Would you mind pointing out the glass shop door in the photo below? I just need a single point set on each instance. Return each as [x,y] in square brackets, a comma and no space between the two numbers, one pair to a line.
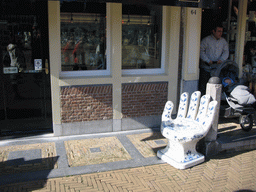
[25,95]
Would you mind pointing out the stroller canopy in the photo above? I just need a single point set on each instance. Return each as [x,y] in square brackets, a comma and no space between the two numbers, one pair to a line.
[227,69]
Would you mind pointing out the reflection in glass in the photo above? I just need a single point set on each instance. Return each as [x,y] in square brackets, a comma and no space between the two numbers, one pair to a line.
[141,39]
[21,42]
[83,41]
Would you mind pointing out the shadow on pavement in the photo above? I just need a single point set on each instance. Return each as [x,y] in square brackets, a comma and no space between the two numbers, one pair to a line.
[156,134]
[227,155]
[19,170]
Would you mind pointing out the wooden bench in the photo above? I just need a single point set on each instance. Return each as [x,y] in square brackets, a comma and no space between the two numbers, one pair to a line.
[191,124]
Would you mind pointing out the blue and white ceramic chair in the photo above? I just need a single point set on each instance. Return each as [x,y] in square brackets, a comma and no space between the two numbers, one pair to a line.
[186,130]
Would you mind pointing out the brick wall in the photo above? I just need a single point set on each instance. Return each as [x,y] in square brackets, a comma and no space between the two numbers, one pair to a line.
[143,99]
[88,103]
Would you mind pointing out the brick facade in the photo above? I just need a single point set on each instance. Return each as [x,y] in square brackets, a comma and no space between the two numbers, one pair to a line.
[87,103]
[92,103]
[143,99]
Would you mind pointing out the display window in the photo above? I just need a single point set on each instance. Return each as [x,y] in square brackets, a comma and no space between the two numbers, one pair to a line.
[83,36]
[21,44]
[141,36]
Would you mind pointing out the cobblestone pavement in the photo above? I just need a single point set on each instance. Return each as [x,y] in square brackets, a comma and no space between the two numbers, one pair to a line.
[123,161]
[231,172]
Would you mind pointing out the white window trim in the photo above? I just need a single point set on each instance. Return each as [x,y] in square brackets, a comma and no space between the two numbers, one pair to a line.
[88,73]
[154,71]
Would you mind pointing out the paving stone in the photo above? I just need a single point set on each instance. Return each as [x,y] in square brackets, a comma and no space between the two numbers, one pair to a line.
[148,143]
[160,142]
[24,157]
[95,151]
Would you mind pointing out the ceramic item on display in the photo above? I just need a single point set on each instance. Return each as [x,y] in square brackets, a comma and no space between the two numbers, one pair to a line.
[253,61]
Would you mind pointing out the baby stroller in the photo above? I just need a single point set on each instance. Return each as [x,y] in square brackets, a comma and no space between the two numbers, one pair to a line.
[229,106]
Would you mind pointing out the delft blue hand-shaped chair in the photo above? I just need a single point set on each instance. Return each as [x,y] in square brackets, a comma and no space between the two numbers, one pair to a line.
[186,130]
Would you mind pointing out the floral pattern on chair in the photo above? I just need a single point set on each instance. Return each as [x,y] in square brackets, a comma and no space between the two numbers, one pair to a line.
[183,105]
[193,105]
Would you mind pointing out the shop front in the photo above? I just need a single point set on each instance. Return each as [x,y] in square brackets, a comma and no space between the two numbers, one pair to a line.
[25,94]
[113,65]
[77,67]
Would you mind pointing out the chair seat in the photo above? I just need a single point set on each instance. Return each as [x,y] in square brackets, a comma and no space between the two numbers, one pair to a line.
[183,130]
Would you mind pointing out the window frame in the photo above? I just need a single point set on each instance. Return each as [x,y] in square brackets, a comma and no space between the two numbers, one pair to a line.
[88,73]
[151,71]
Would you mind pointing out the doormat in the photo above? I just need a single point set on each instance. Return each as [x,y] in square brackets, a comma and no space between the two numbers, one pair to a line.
[27,158]
[95,151]
[148,143]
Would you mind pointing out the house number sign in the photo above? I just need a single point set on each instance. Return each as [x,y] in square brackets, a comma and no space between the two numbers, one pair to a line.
[193,12]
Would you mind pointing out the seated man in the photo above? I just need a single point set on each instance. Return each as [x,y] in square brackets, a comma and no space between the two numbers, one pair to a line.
[239,92]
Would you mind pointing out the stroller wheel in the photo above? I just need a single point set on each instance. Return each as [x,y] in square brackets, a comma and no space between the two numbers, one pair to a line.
[246,122]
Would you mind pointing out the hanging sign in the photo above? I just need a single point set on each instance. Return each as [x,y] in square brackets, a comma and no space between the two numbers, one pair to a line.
[38,64]
[10,70]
